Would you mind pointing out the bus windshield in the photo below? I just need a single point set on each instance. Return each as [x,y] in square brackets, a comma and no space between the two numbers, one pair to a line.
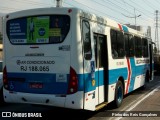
[38,29]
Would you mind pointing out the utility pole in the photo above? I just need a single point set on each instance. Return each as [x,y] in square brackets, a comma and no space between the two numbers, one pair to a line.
[59,3]
[156,32]
[149,32]
[135,17]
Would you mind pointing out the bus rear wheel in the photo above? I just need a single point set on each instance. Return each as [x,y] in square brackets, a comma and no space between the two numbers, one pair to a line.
[119,92]
[146,80]
[2,102]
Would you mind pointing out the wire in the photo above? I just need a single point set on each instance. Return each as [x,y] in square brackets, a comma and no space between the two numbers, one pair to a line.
[117,6]
[31,2]
[137,9]
[8,8]
[99,11]
[111,8]
[145,1]
[141,7]
[157,1]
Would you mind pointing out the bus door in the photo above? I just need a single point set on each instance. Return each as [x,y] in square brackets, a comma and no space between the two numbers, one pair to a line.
[88,67]
[101,67]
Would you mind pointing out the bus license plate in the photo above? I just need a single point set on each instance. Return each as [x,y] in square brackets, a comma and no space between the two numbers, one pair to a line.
[36,85]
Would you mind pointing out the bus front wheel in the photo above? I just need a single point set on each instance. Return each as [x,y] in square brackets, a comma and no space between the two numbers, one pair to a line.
[118,94]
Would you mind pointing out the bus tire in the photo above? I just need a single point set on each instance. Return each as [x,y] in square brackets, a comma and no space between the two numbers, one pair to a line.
[145,81]
[1,97]
[119,93]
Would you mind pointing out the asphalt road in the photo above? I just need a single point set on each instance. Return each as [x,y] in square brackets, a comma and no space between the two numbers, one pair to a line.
[147,100]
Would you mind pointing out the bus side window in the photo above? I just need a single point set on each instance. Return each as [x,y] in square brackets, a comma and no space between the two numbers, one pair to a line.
[86,40]
[120,44]
[138,47]
[117,44]
[129,45]
[114,44]
[145,47]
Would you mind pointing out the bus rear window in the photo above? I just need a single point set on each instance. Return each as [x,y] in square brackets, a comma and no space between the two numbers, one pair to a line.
[38,29]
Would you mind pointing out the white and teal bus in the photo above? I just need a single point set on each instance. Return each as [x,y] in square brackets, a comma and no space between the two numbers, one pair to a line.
[69,58]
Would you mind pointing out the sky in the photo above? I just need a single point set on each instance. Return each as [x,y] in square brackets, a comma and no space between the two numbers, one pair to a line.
[123,11]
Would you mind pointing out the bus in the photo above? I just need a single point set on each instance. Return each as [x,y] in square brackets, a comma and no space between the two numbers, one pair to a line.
[69,58]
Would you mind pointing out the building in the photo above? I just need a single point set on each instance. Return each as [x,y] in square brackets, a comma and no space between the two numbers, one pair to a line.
[139,28]
[1,25]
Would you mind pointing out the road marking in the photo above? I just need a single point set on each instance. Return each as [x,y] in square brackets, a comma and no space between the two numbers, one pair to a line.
[137,103]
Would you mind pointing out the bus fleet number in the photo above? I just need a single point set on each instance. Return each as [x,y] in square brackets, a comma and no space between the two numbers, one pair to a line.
[34,68]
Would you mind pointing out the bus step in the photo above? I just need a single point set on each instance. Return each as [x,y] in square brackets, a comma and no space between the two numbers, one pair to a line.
[98,107]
